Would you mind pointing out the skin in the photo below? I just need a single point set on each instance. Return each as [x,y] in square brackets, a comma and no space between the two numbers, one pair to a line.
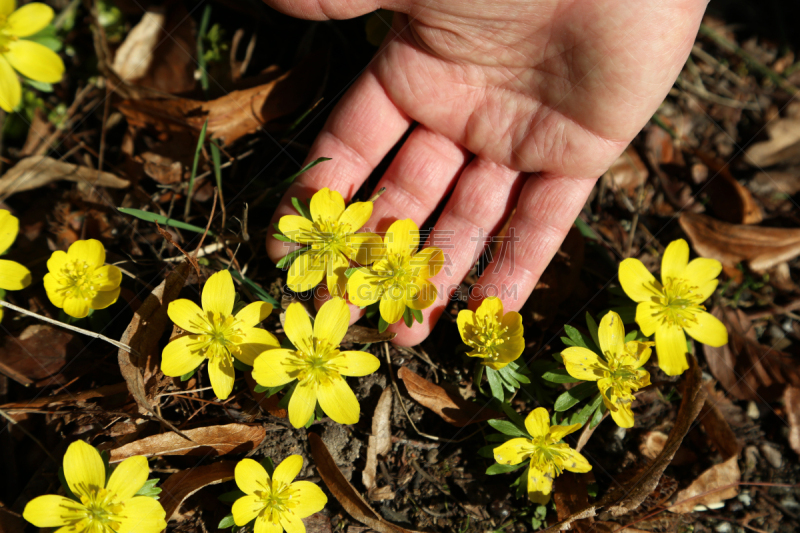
[518,103]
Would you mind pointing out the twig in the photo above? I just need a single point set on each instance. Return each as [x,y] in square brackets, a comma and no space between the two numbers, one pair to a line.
[208,226]
[86,332]
[167,237]
[29,434]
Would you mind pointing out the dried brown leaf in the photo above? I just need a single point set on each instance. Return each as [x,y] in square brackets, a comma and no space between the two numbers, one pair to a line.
[730,201]
[37,171]
[344,492]
[183,484]
[782,147]
[38,354]
[717,484]
[627,173]
[447,404]
[363,335]
[206,441]
[380,442]
[762,248]
[791,402]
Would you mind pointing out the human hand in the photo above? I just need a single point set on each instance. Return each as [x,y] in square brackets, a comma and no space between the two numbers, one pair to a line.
[545,93]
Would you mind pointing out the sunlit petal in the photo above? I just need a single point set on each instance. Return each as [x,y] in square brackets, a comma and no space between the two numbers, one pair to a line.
[583,364]
[10,88]
[364,288]
[637,282]
[6,8]
[538,422]
[221,375]
[9,228]
[513,452]
[181,356]
[674,260]
[491,306]
[253,314]
[575,462]
[309,497]
[187,315]
[332,321]
[647,316]
[356,215]
[297,228]
[129,477]
[466,324]
[402,238]
[13,276]
[51,510]
[219,294]
[104,299]
[35,61]
[292,523]
[701,270]
[250,477]
[53,289]
[306,271]
[106,278]
[335,272]
[326,205]
[247,507]
[302,404]
[427,263]
[142,514]
[557,433]
[338,401]
[298,325]
[287,470]
[29,19]
[90,251]
[255,341]
[611,334]
[540,481]
[671,349]
[83,468]
[263,525]
[707,329]
[356,364]
[393,304]
[77,307]
[273,369]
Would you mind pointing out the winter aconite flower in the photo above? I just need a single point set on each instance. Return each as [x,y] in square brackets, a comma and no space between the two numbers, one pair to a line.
[317,364]
[13,276]
[275,503]
[216,334]
[400,277]
[493,336]
[79,280]
[673,306]
[31,59]
[332,240]
[102,507]
[618,373]
[548,456]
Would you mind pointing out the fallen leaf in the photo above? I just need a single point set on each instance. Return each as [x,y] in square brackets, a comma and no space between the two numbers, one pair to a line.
[362,335]
[730,201]
[777,183]
[206,441]
[745,368]
[791,402]
[783,145]
[183,484]
[380,442]
[344,492]
[447,404]
[69,397]
[627,173]
[37,171]
[271,404]
[762,248]
[627,496]
[318,523]
[37,355]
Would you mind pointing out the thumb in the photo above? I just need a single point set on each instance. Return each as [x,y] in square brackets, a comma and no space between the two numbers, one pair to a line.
[335,9]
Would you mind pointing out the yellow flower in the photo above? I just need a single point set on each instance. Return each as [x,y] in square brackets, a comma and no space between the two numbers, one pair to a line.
[673,306]
[492,335]
[616,376]
[277,503]
[333,240]
[216,334]
[399,279]
[103,507]
[32,60]
[13,276]
[548,456]
[79,280]
[316,364]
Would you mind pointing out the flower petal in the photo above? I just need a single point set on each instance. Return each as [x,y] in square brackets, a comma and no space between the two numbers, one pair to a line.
[356,364]
[287,470]
[90,251]
[674,260]
[77,307]
[393,304]
[6,8]
[309,497]
[332,321]
[306,272]
[509,351]
[222,375]
[219,294]
[83,468]
[402,238]
[254,314]
[420,294]
[335,274]
[302,403]
[538,422]
[647,317]
[611,334]
[466,325]
[128,477]
[639,351]
[491,306]
[188,316]
[326,205]
[255,341]
[671,349]
[355,216]
[365,248]
[513,452]
[106,278]
[513,322]
[29,19]
[427,263]
[10,88]
[182,355]
[637,282]
[51,510]
[250,477]
[364,287]
[540,481]
[557,433]
[104,299]
[575,462]
[142,514]
[298,326]
[9,228]
[621,414]
[263,525]
[583,364]
[701,270]
[338,401]
[272,368]
[247,507]
[297,228]
[57,261]
[704,291]
[13,276]
[53,288]
[292,523]
[708,330]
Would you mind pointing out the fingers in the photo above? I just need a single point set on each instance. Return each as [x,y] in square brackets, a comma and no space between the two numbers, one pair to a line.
[480,203]
[362,129]
[333,9]
[545,212]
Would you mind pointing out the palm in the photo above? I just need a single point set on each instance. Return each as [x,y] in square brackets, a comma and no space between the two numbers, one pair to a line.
[545,94]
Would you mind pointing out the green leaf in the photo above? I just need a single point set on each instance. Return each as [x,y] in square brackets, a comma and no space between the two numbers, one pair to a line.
[187,376]
[582,416]
[585,230]
[65,486]
[47,37]
[592,325]
[260,388]
[497,468]
[281,237]
[407,318]
[149,489]
[576,336]
[417,314]
[268,465]
[302,209]
[216,163]
[161,219]
[598,416]
[198,149]
[382,325]
[574,395]
[349,272]
[511,372]
[288,181]
[231,496]
[559,376]
[515,417]
[507,428]
[226,522]
[256,289]
[290,257]
[487,451]
[39,85]
[495,384]
[238,365]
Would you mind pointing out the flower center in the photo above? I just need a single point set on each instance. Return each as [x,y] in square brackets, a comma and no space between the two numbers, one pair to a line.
[5,38]
[546,455]
[223,335]
[330,237]
[486,336]
[277,500]
[102,514]
[680,302]
[77,280]
[314,361]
